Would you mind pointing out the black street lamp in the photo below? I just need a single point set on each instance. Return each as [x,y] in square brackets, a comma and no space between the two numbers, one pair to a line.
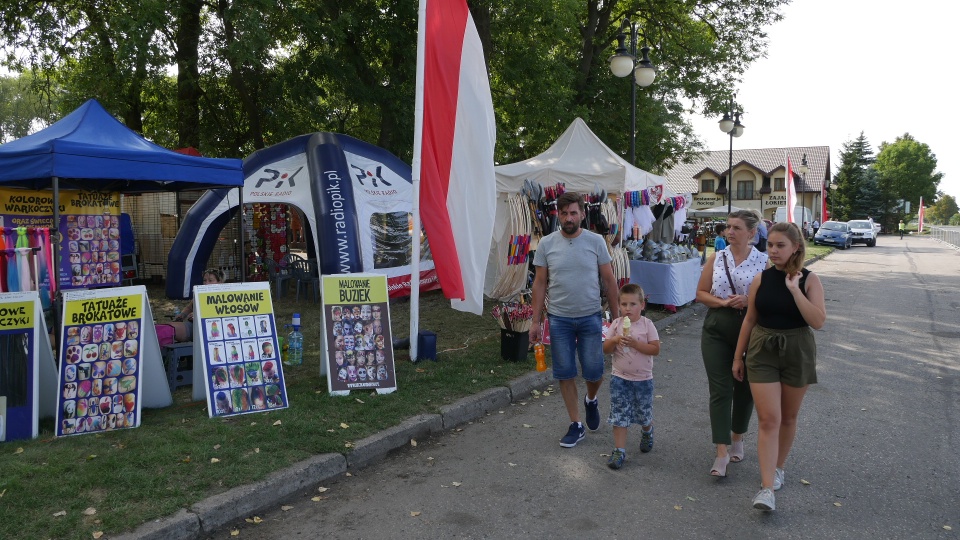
[623,63]
[730,123]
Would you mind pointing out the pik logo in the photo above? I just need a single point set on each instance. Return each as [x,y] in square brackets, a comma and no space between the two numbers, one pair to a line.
[278,177]
[363,174]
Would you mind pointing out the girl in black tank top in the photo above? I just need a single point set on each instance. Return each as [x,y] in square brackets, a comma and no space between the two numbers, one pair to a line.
[776,307]
[777,352]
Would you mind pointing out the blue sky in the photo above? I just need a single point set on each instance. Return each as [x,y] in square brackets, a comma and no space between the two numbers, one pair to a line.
[838,67]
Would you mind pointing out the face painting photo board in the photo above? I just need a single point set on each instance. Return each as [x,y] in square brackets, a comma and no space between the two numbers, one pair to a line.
[90,240]
[110,363]
[358,344]
[28,380]
[236,334]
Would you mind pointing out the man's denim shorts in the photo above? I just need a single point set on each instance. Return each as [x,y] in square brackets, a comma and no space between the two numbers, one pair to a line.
[571,337]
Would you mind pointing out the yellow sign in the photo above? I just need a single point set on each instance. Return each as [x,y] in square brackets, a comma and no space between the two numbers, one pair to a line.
[16,315]
[103,309]
[24,208]
[234,303]
[355,290]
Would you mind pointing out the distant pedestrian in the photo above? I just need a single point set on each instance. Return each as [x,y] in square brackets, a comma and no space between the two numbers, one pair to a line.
[570,266]
[719,243]
[786,300]
[902,227]
[760,237]
[633,340]
[816,226]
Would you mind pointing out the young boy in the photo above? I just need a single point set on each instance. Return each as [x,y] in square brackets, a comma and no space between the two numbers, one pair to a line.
[634,342]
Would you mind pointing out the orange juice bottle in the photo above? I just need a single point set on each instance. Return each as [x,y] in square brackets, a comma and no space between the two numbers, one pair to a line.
[540,354]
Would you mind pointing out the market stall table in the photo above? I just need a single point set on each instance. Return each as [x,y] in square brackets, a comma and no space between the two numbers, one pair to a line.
[669,284]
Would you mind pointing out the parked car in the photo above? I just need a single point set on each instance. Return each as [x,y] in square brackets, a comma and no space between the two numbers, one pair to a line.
[834,233]
[863,232]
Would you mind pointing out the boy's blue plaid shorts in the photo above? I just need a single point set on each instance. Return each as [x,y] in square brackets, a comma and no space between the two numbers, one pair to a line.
[631,402]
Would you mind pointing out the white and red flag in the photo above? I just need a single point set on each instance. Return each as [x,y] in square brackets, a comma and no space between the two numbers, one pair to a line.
[791,192]
[920,213]
[454,136]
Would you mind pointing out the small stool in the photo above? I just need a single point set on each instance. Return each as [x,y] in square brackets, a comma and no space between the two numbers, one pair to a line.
[178,360]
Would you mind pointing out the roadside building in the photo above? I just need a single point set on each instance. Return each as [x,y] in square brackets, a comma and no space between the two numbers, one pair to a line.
[759,179]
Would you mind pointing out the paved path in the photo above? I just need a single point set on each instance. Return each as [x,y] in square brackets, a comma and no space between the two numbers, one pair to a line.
[877,442]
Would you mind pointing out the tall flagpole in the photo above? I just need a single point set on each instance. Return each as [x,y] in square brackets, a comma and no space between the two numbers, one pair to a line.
[415,177]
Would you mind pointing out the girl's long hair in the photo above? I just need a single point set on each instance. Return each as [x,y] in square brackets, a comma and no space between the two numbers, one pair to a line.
[792,232]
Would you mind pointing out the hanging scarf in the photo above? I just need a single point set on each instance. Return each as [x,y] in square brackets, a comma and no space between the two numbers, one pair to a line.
[3,261]
[43,279]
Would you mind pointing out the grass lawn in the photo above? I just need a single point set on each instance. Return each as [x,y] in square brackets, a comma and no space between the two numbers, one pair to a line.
[813,251]
[135,475]
[179,455]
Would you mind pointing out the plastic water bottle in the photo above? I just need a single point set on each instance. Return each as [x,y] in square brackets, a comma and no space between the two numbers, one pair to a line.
[295,343]
[540,354]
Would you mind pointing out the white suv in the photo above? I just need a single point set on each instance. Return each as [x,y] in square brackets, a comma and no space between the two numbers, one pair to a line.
[862,231]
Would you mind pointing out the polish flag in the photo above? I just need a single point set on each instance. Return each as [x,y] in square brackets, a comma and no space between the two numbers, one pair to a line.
[920,217]
[791,192]
[454,136]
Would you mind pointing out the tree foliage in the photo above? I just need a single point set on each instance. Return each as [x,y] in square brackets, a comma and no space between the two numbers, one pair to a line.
[853,180]
[21,109]
[943,211]
[906,170]
[231,76]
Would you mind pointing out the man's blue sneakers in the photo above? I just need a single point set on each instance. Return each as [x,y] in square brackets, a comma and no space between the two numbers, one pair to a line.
[593,413]
[573,436]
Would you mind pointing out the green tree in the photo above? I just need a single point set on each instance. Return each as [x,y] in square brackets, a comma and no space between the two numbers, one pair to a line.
[21,110]
[852,180]
[869,201]
[79,49]
[907,171]
[943,210]
[230,76]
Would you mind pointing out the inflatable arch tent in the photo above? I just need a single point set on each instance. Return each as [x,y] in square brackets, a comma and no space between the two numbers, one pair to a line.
[356,197]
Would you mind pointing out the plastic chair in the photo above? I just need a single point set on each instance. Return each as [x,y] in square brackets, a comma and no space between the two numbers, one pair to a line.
[277,275]
[306,274]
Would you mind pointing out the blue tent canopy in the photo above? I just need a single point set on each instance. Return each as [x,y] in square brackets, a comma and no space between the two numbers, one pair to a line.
[90,149]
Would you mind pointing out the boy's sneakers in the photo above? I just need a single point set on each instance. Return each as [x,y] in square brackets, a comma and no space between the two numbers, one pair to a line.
[646,440]
[616,458]
[573,436]
[593,413]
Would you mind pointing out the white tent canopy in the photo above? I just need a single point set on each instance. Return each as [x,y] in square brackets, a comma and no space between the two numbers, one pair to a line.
[581,161]
[715,212]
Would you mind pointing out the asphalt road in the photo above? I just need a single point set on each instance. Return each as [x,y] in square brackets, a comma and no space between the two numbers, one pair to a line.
[877,441]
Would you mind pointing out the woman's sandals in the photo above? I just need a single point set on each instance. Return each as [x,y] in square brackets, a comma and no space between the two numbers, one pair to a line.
[720,466]
[736,451]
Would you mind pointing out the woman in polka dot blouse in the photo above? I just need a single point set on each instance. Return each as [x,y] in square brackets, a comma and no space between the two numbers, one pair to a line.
[723,288]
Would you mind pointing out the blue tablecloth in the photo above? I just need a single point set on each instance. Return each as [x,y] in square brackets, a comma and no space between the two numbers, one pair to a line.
[667,284]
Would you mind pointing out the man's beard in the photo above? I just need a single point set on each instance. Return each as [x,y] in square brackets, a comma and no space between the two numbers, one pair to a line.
[571,227]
